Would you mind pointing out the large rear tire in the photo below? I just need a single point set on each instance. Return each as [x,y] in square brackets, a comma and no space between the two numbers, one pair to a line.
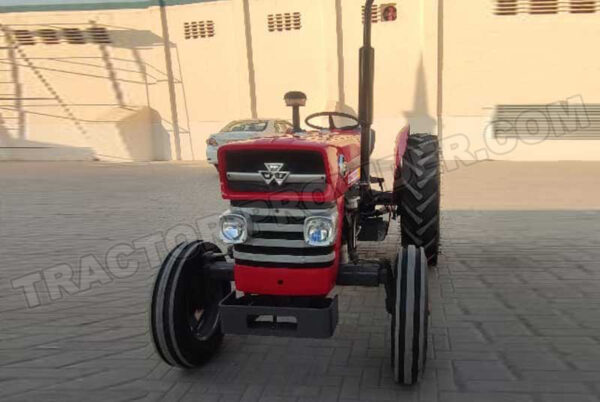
[410,316]
[417,192]
[184,314]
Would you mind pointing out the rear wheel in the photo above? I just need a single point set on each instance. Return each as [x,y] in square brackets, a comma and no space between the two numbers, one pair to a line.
[410,315]
[184,314]
[417,192]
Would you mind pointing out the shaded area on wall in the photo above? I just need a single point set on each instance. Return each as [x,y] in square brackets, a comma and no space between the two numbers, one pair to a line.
[13,149]
[34,71]
[419,118]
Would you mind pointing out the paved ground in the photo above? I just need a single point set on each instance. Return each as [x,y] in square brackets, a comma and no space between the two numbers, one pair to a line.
[516,296]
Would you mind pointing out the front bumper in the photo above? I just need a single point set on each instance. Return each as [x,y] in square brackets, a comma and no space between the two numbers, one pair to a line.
[260,315]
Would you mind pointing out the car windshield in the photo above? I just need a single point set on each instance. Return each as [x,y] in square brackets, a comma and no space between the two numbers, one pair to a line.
[247,125]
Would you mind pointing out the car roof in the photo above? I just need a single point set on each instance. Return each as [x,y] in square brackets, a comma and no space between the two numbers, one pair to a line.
[258,119]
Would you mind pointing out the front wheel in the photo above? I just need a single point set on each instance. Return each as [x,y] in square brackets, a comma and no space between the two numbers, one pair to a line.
[410,315]
[184,314]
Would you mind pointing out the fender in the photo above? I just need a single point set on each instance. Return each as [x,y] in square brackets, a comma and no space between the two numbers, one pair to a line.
[400,145]
[399,149]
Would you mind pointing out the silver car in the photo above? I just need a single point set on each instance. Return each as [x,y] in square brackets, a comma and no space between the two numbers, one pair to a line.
[240,130]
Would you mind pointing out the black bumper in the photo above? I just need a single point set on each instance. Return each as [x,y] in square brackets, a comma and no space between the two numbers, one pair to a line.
[276,316]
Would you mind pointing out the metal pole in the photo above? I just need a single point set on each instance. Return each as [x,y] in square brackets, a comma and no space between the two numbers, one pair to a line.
[365,101]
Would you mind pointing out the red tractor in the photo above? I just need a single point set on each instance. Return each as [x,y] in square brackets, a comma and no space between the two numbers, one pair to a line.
[299,202]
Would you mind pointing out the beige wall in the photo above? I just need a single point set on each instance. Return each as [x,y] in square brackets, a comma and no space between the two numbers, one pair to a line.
[521,59]
[85,95]
[121,102]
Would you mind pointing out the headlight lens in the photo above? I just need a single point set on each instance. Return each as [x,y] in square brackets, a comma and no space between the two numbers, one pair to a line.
[211,141]
[233,228]
[319,230]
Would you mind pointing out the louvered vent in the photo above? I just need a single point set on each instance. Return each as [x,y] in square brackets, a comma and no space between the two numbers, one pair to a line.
[98,35]
[73,36]
[49,36]
[553,121]
[24,37]
[374,13]
[544,6]
[584,6]
[284,22]
[513,7]
[507,7]
[199,29]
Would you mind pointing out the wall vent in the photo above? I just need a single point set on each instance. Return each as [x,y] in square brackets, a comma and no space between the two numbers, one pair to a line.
[73,36]
[49,36]
[98,35]
[374,13]
[583,6]
[553,121]
[198,29]
[513,7]
[381,13]
[284,22]
[24,37]
[507,7]
[543,6]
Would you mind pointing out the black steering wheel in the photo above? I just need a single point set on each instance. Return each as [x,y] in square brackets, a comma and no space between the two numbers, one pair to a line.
[332,125]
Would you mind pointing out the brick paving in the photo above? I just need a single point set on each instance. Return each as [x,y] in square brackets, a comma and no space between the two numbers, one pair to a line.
[516,297]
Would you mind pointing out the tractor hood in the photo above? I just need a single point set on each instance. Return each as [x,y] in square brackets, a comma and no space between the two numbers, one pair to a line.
[316,166]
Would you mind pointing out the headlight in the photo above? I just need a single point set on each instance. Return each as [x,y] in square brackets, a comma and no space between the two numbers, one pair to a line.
[233,228]
[211,141]
[320,230]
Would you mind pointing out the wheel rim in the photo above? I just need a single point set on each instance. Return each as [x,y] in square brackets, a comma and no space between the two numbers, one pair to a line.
[202,298]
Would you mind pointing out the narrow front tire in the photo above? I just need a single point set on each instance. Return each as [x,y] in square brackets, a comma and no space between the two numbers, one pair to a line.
[410,315]
[184,313]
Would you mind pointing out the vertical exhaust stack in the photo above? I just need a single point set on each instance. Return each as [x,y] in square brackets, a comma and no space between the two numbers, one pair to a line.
[365,100]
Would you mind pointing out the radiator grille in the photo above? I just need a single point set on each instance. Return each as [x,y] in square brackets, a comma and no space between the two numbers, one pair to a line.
[277,238]
[306,170]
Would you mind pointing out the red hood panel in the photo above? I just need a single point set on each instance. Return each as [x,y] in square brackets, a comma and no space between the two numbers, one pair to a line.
[330,144]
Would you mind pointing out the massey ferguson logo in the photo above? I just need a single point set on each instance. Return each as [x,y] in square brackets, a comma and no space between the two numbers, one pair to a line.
[274,172]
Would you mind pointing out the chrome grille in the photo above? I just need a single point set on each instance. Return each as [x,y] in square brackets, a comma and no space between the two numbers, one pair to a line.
[277,237]
[305,170]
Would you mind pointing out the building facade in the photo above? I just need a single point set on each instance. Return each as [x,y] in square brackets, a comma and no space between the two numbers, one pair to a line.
[141,80]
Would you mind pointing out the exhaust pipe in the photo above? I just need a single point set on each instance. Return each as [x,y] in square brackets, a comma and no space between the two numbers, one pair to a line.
[365,101]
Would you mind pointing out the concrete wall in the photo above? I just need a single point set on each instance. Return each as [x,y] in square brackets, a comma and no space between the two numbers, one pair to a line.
[152,94]
[83,96]
[537,59]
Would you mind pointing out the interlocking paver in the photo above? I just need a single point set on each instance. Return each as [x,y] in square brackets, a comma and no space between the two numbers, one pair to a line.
[515,298]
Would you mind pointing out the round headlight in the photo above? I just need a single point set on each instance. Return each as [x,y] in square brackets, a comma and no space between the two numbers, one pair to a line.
[319,231]
[233,228]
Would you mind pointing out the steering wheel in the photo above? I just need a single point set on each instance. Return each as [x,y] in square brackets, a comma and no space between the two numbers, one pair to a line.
[332,125]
